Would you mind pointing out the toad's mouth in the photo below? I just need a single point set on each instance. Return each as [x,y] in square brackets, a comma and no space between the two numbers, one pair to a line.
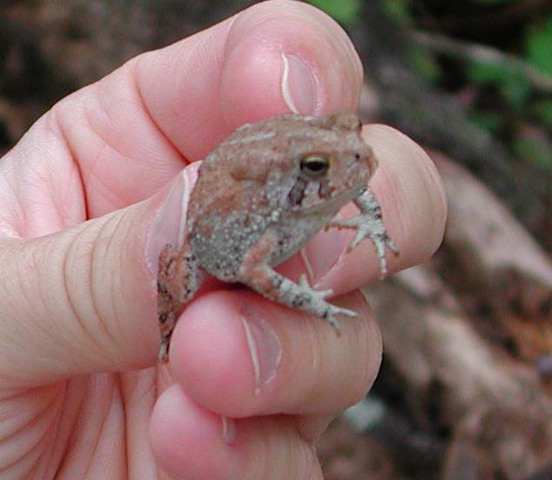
[335,202]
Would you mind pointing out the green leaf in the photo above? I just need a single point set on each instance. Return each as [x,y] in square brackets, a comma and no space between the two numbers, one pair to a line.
[533,151]
[399,10]
[424,62]
[539,46]
[343,11]
[484,73]
[489,121]
[517,91]
[543,110]
[512,84]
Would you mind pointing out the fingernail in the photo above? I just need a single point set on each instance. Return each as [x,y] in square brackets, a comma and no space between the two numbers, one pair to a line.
[169,224]
[229,430]
[299,85]
[264,346]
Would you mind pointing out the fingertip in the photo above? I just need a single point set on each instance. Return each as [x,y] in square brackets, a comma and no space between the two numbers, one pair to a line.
[191,442]
[296,54]
[274,57]
[209,353]
[409,185]
[187,439]
[238,355]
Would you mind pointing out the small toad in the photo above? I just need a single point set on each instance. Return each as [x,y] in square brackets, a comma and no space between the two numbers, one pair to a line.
[259,197]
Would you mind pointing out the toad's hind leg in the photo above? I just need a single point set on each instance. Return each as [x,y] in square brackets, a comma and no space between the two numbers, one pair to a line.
[301,296]
[178,280]
[259,276]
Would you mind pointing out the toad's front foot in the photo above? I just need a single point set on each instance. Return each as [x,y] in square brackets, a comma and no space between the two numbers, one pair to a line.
[369,224]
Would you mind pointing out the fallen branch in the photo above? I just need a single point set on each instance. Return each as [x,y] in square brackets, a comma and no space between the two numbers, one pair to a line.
[495,406]
[455,374]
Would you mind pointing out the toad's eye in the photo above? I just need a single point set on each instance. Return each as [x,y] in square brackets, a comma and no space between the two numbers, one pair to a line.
[314,166]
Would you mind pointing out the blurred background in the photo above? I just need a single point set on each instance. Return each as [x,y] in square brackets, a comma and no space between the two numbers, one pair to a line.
[465,391]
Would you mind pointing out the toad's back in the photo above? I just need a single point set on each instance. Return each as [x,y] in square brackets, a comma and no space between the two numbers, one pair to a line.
[277,181]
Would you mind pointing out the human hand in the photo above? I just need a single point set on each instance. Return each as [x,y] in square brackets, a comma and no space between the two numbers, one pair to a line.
[85,206]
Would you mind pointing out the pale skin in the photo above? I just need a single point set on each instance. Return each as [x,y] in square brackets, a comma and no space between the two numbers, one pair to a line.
[87,199]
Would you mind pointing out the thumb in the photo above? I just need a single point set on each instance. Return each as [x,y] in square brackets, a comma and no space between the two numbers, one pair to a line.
[83,300]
